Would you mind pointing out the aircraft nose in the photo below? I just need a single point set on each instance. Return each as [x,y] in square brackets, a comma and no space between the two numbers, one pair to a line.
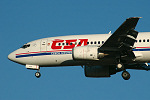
[11,56]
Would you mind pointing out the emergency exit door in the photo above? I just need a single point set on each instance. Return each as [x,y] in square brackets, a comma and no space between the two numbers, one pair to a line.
[44,45]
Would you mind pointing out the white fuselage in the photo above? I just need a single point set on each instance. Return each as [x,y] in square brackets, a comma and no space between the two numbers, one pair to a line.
[57,51]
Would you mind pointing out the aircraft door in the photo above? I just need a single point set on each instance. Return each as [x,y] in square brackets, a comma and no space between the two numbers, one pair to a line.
[44,45]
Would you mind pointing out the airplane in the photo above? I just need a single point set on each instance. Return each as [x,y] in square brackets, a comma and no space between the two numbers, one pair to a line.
[101,55]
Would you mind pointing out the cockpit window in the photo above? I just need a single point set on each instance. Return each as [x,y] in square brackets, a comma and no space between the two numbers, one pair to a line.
[25,46]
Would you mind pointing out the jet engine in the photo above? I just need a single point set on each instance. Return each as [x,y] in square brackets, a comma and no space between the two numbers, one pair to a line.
[86,53]
[99,71]
[139,56]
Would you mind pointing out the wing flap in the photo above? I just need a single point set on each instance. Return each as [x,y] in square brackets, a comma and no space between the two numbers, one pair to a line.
[120,43]
[124,37]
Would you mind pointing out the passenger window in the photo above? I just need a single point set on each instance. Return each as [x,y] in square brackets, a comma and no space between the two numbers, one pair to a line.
[63,43]
[59,44]
[147,40]
[87,42]
[139,40]
[91,42]
[95,42]
[144,40]
[135,40]
[70,43]
[66,43]
[98,42]
[79,43]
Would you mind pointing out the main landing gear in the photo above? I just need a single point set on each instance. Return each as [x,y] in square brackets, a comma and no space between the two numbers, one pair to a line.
[125,74]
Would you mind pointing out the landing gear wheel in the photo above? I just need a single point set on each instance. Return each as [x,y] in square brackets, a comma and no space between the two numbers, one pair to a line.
[125,75]
[38,74]
[120,66]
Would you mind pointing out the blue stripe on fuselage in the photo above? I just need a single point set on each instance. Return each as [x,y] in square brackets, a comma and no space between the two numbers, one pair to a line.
[45,53]
[145,49]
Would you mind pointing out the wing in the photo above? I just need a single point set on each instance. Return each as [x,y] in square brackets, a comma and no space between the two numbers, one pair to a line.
[123,39]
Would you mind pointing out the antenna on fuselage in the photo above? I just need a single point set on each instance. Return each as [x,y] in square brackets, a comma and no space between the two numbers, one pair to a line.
[109,32]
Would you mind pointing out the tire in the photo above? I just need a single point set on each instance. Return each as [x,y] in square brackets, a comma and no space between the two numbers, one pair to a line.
[120,66]
[38,74]
[125,75]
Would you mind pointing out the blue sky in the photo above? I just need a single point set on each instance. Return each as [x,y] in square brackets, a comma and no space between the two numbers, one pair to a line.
[22,21]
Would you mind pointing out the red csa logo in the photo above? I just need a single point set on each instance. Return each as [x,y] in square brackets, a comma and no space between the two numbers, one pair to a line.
[69,44]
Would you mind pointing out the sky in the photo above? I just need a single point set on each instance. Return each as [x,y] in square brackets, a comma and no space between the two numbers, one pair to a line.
[22,21]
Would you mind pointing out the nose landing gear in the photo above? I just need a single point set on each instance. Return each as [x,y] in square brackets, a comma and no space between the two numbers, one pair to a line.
[34,67]
[38,74]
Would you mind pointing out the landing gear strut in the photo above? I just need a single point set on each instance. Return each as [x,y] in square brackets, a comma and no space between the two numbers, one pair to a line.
[120,65]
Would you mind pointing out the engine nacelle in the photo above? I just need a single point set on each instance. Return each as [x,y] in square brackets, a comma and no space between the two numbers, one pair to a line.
[139,56]
[99,71]
[86,53]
